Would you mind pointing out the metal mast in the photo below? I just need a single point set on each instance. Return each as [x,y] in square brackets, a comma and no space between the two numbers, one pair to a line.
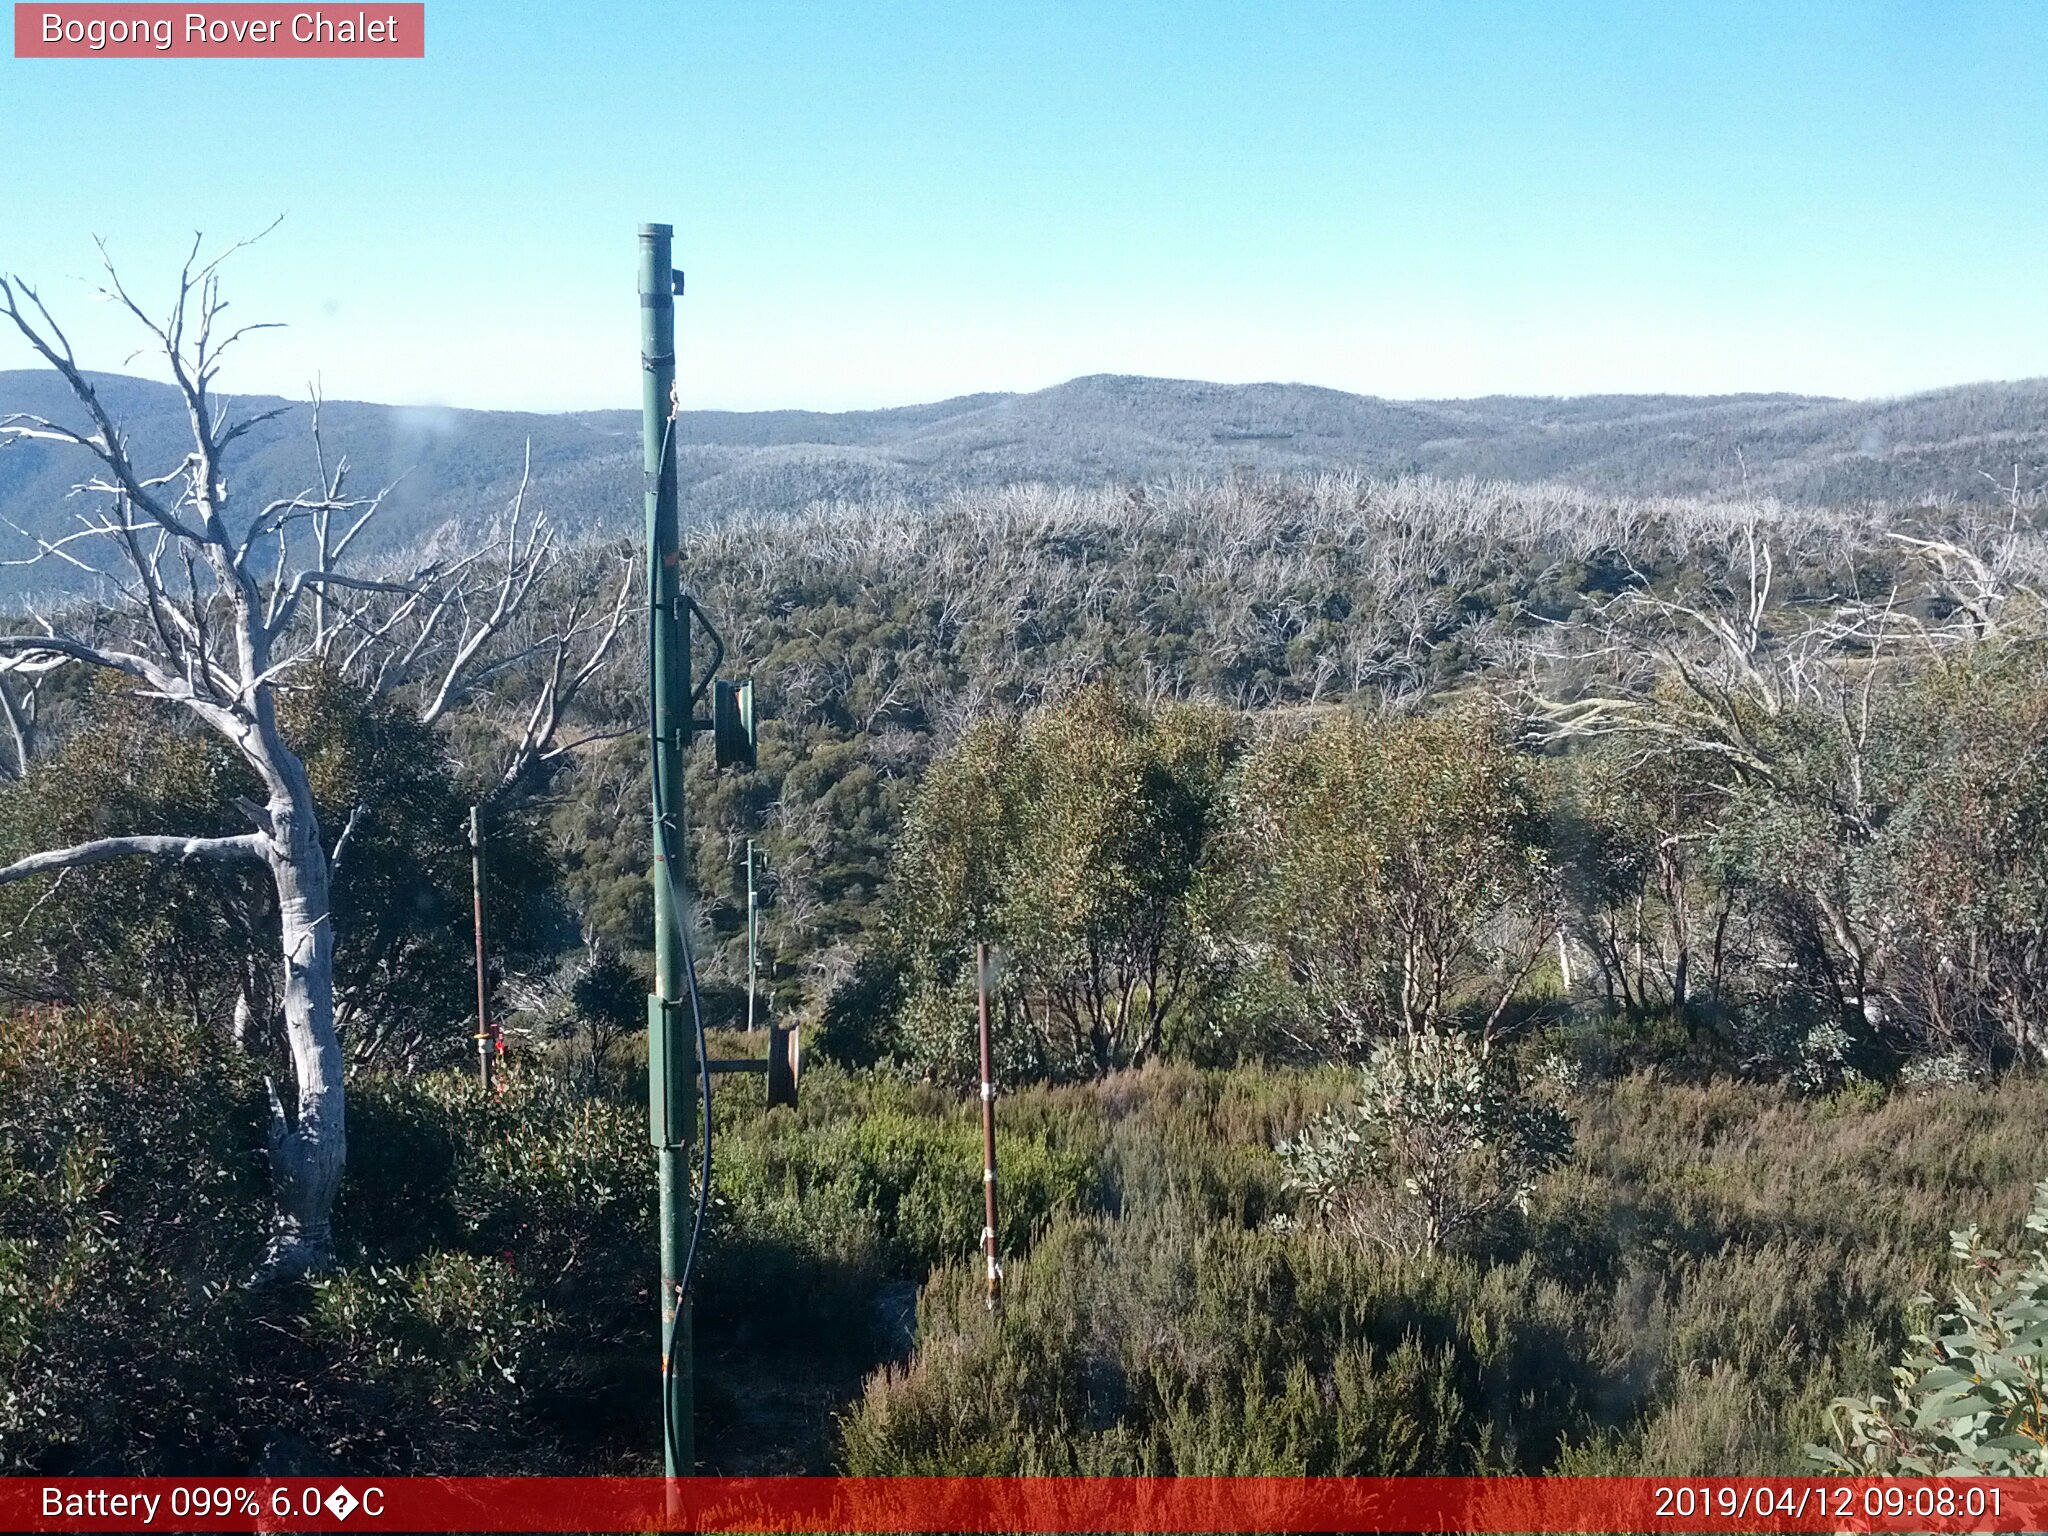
[672,1066]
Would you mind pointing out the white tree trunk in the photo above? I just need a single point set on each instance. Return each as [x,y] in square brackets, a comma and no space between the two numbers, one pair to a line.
[309,1147]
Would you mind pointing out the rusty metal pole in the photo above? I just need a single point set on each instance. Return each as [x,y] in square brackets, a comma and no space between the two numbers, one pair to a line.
[988,1138]
[753,915]
[483,988]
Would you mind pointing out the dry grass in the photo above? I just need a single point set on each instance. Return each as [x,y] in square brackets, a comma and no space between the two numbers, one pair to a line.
[1716,1264]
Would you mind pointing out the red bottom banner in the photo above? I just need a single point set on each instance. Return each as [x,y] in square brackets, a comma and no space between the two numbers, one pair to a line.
[1024,1504]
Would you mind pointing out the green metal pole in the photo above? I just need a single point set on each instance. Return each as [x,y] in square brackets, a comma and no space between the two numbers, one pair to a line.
[671,1041]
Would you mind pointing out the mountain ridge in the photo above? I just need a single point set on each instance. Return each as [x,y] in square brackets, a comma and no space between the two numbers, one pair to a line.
[461,466]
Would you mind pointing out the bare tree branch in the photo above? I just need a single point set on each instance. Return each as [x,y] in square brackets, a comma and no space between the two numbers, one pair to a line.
[248,845]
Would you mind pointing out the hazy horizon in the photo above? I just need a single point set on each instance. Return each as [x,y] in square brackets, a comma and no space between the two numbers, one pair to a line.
[227,391]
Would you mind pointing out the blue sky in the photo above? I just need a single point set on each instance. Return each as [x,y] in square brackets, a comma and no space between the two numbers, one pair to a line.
[885,201]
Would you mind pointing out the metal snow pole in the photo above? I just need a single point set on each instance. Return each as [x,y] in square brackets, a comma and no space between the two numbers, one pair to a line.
[676,1072]
[671,1043]
[483,990]
[994,1295]
[753,909]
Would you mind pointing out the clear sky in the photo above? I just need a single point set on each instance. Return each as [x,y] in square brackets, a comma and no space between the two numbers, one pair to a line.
[886,201]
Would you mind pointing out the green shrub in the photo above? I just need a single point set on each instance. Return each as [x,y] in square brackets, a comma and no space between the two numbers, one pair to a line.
[1443,1142]
[1717,1262]
[492,1311]
[130,1198]
[440,1349]
[1968,1398]
[893,1174]
[1167,1344]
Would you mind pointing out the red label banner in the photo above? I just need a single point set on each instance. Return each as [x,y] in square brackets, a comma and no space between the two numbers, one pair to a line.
[1025,1504]
[237,31]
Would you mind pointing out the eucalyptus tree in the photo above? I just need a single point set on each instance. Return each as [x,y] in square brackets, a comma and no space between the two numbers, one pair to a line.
[1074,839]
[1388,873]
[1860,760]
[215,611]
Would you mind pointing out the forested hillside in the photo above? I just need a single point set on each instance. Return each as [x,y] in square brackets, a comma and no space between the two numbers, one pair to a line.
[450,466]
[1491,978]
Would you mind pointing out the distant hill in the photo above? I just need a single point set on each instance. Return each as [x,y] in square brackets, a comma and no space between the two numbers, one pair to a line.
[456,466]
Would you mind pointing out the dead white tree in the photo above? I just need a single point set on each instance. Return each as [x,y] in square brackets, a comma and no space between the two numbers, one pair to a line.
[1724,668]
[1757,701]
[214,615]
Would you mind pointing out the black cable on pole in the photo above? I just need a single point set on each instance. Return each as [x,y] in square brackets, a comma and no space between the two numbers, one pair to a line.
[665,857]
